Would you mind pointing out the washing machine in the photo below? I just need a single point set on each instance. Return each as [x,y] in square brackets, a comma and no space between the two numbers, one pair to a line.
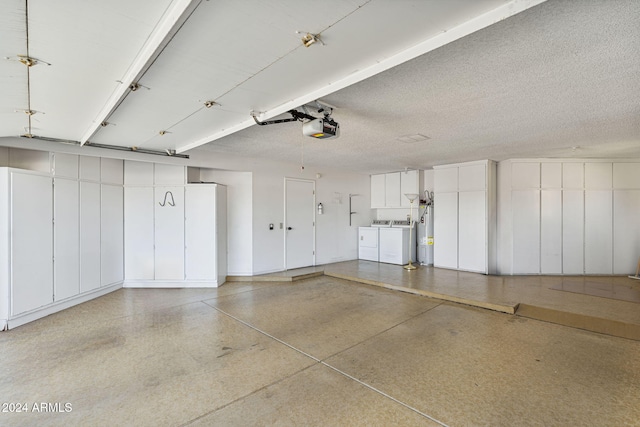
[368,239]
[394,243]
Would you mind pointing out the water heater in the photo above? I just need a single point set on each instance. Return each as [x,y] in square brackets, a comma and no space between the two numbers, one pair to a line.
[425,235]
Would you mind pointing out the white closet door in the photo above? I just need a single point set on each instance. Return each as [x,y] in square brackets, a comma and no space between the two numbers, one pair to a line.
[169,233]
[200,233]
[526,231]
[472,237]
[31,242]
[445,249]
[598,232]
[626,231]
[112,230]
[138,232]
[573,232]
[66,201]
[89,236]
[551,232]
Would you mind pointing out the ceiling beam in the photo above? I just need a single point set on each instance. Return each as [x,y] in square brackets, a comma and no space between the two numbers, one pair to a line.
[498,14]
[168,25]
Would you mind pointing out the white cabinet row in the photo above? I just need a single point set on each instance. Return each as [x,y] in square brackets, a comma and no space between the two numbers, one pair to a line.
[575,231]
[65,243]
[388,190]
[571,217]
[175,234]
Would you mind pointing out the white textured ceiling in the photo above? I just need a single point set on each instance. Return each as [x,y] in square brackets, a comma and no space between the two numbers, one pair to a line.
[557,75]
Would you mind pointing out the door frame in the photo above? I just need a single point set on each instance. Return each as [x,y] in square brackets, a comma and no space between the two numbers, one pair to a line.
[284,229]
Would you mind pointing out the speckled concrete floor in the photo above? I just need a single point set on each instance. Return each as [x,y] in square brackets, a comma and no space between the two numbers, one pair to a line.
[321,351]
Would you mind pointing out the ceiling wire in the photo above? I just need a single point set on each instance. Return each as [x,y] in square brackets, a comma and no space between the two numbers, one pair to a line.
[29,111]
[290,52]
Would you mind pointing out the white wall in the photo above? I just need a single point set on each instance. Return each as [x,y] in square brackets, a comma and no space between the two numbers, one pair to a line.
[239,218]
[335,239]
[577,216]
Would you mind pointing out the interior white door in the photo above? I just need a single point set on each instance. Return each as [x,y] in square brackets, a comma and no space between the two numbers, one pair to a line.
[299,223]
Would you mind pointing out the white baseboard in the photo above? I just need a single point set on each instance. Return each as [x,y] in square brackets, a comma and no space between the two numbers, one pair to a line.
[150,284]
[58,306]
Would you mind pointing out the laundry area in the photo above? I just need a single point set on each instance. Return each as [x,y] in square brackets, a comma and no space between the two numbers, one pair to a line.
[403,232]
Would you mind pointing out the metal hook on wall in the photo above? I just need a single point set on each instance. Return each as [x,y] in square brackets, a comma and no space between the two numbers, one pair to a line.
[172,202]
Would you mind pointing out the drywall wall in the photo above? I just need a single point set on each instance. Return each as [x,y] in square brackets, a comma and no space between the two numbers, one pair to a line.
[239,218]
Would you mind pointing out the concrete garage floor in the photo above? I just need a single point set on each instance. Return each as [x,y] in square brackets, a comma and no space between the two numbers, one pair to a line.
[318,351]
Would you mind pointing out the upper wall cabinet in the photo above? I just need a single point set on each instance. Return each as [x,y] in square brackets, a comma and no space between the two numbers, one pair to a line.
[112,171]
[169,174]
[144,173]
[392,190]
[409,184]
[378,191]
[388,189]
[65,165]
[90,168]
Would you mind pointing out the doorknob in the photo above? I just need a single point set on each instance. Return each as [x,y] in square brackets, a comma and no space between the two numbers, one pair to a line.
[289,228]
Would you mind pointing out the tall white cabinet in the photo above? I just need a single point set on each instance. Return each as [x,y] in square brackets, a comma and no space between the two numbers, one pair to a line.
[465,216]
[64,234]
[175,233]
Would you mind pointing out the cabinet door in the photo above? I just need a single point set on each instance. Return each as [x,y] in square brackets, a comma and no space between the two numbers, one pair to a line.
[221,233]
[526,231]
[169,233]
[446,230]
[89,236]
[409,183]
[112,231]
[573,231]
[31,242]
[472,178]
[200,233]
[66,215]
[378,191]
[472,235]
[598,236]
[138,232]
[551,232]
[392,190]
[626,231]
